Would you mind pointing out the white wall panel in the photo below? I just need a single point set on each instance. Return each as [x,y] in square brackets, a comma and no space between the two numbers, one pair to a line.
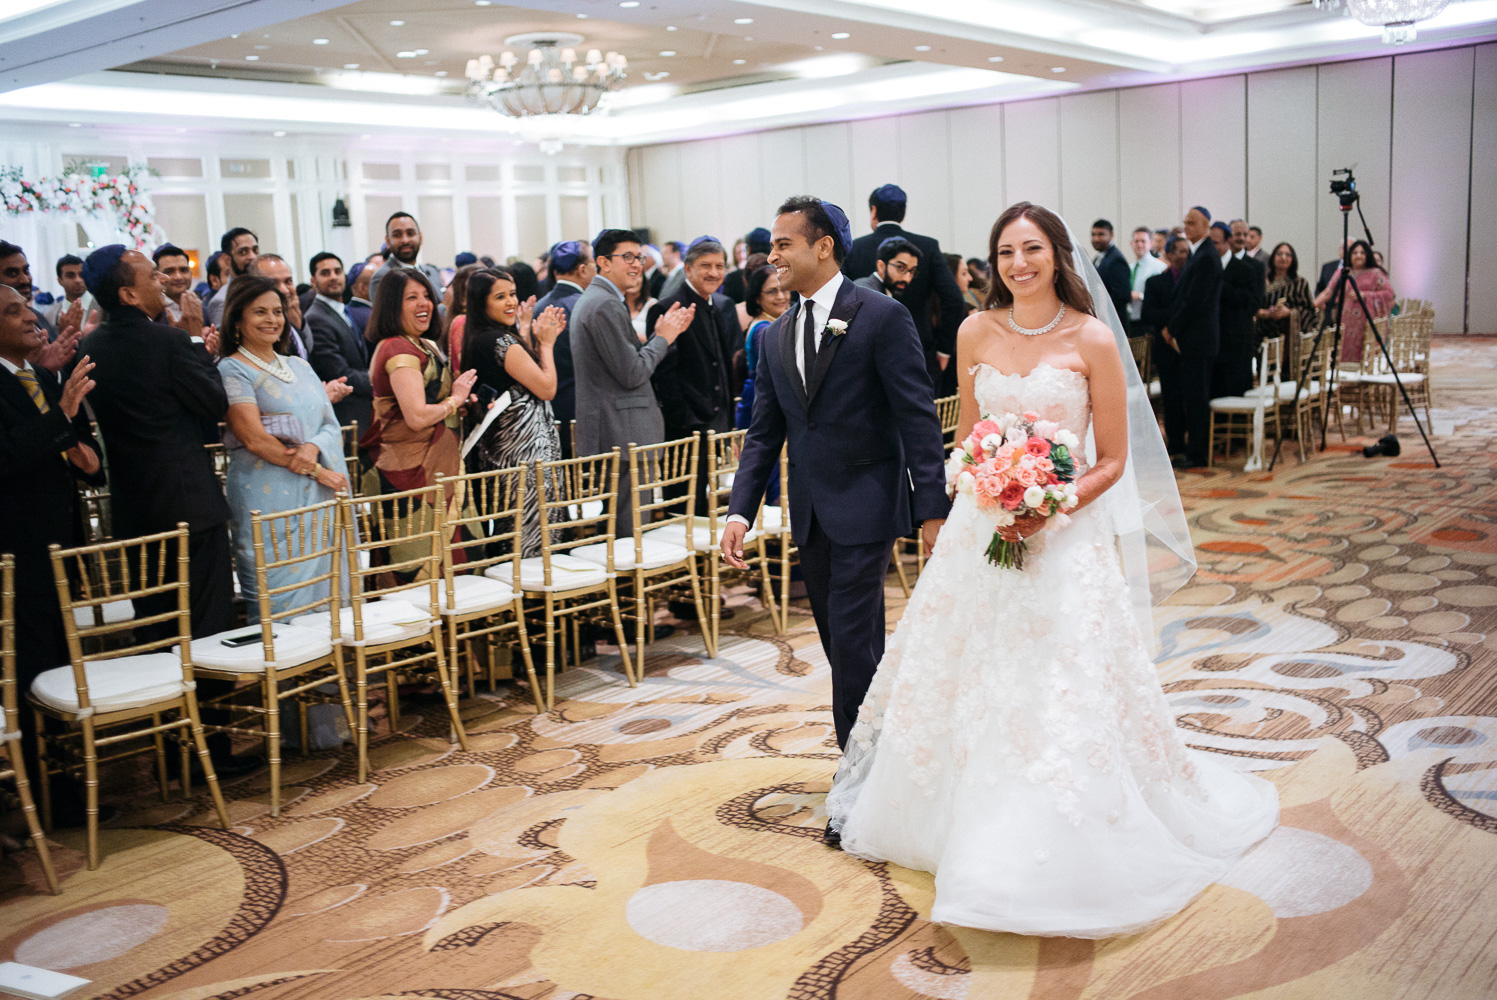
[875,162]
[742,208]
[1213,145]
[976,177]
[1149,157]
[1483,278]
[1089,160]
[701,194]
[828,169]
[1282,175]
[1031,152]
[662,190]
[782,158]
[1355,121]
[926,178]
[1431,180]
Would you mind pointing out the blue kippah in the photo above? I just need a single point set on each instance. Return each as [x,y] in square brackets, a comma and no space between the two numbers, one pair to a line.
[565,255]
[890,193]
[839,223]
[356,270]
[1203,211]
[100,263]
[891,239]
[758,235]
[1223,227]
[702,239]
[465,258]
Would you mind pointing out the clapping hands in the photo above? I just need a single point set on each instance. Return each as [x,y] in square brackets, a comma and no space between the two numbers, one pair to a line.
[338,389]
[549,324]
[674,322]
[55,356]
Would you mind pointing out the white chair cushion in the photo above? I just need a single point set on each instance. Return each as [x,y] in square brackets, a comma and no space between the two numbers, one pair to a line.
[1155,390]
[474,593]
[701,532]
[114,611]
[293,645]
[126,682]
[1286,391]
[657,553]
[1407,378]
[567,573]
[1240,404]
[384,621]
[774,520]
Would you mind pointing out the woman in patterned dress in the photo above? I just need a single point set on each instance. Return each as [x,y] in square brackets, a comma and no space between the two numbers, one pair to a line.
[511,351]
[1377,291]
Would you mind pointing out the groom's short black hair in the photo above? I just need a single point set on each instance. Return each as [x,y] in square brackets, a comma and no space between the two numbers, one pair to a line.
[818,222]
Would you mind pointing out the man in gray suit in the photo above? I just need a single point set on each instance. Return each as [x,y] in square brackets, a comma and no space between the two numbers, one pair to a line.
[616,404]
[403,237]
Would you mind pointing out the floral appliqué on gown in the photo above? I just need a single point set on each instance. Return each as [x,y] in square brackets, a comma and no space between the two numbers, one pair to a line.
[1016,741]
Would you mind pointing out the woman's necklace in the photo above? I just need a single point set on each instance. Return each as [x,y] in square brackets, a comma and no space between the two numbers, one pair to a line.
[1042,330]
[276,369]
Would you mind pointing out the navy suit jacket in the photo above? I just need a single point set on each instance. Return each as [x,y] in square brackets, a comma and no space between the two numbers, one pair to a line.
[565,296]
[860,438]
[1195,316]
[339,350]
[1117,279]
[933,280]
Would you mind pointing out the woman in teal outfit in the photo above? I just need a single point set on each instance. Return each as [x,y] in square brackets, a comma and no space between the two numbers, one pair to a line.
[285,445]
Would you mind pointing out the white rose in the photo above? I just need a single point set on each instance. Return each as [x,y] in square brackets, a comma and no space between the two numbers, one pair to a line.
[1068,439]
[1071,501]
[1016,436]
[965,481]
[1034,497]
[954,464]
[991,442]
[1046,429]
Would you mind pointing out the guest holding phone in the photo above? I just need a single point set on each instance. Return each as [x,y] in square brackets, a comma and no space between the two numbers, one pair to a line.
[285,445]
[511,351]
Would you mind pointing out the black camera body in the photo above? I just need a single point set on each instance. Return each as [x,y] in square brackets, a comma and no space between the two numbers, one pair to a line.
[1344,187]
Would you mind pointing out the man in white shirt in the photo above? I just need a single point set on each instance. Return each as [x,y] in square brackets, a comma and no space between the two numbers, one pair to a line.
[70,277]
[1145,266]
[184,310]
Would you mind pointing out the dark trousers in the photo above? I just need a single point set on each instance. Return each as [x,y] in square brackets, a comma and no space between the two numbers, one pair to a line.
[1231,374]
[846,586]
[210,579]
[1166,362]
[1195,394]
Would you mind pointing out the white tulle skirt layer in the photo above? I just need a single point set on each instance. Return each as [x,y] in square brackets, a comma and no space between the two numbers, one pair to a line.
[1016,743]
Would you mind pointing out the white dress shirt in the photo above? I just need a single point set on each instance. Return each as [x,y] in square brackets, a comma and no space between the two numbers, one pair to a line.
[25,366]
[1143,269]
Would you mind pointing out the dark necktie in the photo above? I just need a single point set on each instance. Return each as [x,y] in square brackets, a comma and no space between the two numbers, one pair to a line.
[809,346]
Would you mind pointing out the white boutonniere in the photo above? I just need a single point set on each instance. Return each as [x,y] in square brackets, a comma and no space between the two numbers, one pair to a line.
[837,326]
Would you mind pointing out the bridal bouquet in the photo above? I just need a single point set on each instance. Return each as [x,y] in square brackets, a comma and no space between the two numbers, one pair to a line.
[1013,465]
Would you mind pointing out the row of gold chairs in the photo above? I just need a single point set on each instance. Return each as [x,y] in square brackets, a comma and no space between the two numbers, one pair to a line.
[911,549]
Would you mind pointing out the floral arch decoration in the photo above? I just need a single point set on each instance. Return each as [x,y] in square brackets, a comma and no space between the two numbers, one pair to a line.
[77,195]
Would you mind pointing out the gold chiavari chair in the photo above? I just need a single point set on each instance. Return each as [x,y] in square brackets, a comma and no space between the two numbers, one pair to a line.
[1233,417]
[1140,347]
[480,596]
[1408,347]
[121,694]
[351,457]
[650,563]
[705,536]
[565,589]
[307,544]
[949,411]
[1316,404]
[775,519]
[10,715]
[393,544]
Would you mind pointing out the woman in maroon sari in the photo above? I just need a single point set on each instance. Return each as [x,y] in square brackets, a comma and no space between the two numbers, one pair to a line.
[1376,290]
[413,435]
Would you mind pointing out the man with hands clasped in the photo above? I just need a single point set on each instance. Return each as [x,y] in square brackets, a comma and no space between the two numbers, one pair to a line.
[842,378]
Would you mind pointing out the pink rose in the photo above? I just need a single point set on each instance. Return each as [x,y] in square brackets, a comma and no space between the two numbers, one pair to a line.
[988,487]
[983,428]
[1031,416]
[1004,456]
[1044,464]
[1038,447]
[1012,496]
[1030,477]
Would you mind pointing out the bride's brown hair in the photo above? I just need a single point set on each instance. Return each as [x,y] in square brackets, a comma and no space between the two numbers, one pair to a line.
[1068,284]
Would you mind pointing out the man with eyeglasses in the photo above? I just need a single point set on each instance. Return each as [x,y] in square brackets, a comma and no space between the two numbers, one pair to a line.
[898,263]
[616,403]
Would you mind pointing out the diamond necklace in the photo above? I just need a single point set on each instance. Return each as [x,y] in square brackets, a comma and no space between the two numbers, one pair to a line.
[1035,333]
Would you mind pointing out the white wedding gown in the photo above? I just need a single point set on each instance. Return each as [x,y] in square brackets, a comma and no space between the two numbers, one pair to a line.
[1016,741]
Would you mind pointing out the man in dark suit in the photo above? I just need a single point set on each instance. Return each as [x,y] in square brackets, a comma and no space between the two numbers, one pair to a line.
[898,263]
[357,294]
[1154,316]
[886,210]
[694,382]
[573,267]
[15,271]
[1328,269]
[339,349]
[45,447]
[1113,268]
[842,379]
[1192,331]
[1244,287]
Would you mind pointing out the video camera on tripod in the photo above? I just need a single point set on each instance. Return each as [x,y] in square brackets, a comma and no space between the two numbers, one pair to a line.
[1345,189]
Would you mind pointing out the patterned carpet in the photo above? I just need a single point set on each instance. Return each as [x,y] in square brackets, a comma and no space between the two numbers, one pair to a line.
[661,843]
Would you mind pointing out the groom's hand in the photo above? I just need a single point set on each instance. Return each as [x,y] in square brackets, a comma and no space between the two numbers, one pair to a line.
[928,532]
[733,545]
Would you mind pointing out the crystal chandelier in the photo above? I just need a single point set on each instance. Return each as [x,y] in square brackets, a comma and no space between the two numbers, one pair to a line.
[1396,17]
[551,80]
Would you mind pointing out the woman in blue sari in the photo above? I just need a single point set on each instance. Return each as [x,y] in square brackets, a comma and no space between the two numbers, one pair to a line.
[285,445]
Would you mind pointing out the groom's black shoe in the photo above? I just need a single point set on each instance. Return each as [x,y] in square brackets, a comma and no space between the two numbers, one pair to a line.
[832,838]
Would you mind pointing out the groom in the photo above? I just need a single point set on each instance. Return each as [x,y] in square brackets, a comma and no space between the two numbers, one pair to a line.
[841,376]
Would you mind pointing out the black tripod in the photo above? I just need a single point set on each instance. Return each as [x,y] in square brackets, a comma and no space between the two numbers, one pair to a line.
[1346,191]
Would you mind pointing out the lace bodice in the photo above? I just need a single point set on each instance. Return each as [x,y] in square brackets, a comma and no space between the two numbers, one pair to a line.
[1057,394]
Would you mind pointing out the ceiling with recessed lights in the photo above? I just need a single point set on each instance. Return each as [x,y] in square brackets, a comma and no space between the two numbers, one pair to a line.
[696,67]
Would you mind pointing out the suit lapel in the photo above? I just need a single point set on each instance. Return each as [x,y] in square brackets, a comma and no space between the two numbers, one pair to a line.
[845,308]
[788,345]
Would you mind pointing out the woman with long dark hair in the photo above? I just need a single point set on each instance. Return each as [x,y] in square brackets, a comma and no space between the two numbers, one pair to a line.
[1289,305]
[1377,292]
[511,351]
[414,432]
[765,301]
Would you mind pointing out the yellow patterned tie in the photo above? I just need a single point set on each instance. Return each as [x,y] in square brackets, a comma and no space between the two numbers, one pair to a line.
[33,388]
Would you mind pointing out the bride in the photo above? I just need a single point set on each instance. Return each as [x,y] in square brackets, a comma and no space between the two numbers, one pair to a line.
[1015,740]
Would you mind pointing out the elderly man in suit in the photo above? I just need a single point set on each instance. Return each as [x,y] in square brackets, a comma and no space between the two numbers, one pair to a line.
[46,446]
[1193,332]
[339,349]
[616,404]
[572,266]
[886,211]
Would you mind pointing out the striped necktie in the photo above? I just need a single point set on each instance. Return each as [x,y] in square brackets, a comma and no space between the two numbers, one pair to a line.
[33,388]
